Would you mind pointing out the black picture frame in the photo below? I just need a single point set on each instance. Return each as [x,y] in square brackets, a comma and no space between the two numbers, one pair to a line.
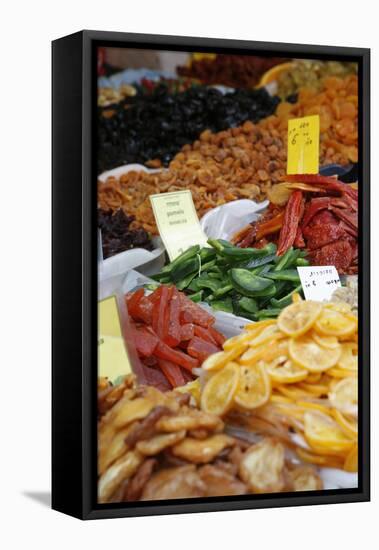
[74,274]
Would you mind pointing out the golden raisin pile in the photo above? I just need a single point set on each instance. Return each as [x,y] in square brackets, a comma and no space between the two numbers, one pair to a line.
[242,162]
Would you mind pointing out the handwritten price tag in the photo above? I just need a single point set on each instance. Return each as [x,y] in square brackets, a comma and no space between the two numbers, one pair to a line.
[113,359]
[319,282]
[177,221]
[303,145]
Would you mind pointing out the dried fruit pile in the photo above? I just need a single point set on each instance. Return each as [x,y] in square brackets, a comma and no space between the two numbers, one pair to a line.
[172,335]
[154,127]
[297,375]
[119,233]
[321,215]
[236,71]
[242,162]
[310,74]
[155,446]
[337,105]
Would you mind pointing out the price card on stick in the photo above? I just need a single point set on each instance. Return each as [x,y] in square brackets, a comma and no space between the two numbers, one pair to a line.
[319,282]
[177,221]
[112,355]
[303,145]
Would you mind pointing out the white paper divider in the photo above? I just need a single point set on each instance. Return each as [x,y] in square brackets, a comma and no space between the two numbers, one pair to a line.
[224,221]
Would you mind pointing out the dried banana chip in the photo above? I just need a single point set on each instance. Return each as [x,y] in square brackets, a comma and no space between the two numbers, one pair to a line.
[156,444]
[191,420]
[262,467]
[305,478]
[202,451]
[121,470]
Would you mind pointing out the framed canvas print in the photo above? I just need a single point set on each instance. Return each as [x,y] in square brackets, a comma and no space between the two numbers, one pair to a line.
[211,275]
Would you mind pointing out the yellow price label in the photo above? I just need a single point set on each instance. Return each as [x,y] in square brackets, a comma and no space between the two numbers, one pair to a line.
[113,360]
[303,145]
[177,221]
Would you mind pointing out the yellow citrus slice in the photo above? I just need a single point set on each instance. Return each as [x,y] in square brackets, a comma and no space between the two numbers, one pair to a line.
[327,461]
[329,342]
[218,392]
[350,428]
[341,307]
[273,73]
[334,323]
[275,349]
[313,406]
[336,372]
[349,356]
[351,462]
[311,356]
[253,387]
[299,317]
[218,360]
[316,390]
[237,341]
[252,355]
[324,434]
[344,396]
[285,371]
[270,332]
[313,377]
[259,326]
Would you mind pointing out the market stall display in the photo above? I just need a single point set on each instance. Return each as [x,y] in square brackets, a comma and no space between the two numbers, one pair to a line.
[254,283]
[236,71]
[306,73]
[242,162]
[155,445]
[295,375]
[172,335]
[119,233]
[267,400]
[152,129]
[317,213]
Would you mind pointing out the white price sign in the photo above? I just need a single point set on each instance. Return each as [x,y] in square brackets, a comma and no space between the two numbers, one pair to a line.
[319,282]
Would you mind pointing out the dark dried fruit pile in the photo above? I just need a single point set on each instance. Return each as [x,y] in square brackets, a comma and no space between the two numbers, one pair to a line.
[118,233]
[156,126]
[237,71]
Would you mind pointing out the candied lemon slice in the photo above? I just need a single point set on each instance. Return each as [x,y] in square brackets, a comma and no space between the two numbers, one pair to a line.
[275,349]
[324,434]
[299,317]
[351,462]
[270,332]
[252,355]
[285,371]
[349,427]
[258,326]
[319,460]
[344,396]
[237,341]
[218,360]
[336,372]
[334,323]
[316,390]
[217,396]
[253,387]
[329,342]
[349,356]
[311,356]
[313,377]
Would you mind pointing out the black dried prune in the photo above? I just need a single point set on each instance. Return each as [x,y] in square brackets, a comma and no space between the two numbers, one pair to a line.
[156,126]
